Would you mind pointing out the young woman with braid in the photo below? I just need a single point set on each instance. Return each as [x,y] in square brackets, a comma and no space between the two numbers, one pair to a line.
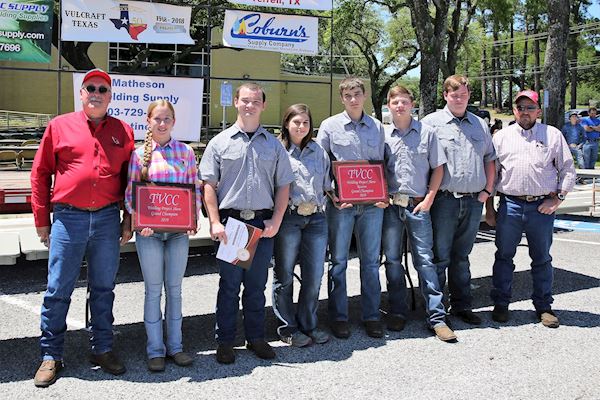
[163,256]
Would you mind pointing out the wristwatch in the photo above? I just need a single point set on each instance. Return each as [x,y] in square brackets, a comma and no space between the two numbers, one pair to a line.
[561,196]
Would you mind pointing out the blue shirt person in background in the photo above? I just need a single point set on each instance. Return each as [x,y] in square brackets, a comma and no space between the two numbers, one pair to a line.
[591,124]
[575,136]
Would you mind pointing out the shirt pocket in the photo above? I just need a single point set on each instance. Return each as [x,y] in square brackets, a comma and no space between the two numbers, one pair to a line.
[341,147]
[266,161]
[231,161]
[543,156]
[373,146]
[478,145]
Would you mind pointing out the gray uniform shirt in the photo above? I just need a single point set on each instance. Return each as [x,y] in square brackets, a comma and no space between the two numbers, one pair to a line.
[409,157]
[247,171]
[311,169]
[346,140]
[467,143]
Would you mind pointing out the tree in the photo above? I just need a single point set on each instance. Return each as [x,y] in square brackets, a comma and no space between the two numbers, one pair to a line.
[388,48]
[555,62]
[457,33]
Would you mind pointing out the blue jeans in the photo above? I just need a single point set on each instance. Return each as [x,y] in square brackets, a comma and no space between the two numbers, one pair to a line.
[163,259]
[455,225]
[302,238]
[73,235]
[577,154]
[253,297]
[420,235]
[515,217]
[366,221]
[590,154]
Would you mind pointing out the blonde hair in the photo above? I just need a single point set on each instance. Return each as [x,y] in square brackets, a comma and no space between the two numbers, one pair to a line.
[147,157]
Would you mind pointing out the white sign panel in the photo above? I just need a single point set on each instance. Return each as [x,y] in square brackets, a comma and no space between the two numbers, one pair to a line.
[125,22]
[296,4]
[132,94]
[271,32]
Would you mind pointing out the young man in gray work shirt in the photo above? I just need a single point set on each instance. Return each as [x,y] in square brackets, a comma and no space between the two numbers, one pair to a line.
[349,136]
[246,174]
[467,183]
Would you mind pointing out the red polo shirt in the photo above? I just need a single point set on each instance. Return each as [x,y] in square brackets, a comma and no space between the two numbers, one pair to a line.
[89,164]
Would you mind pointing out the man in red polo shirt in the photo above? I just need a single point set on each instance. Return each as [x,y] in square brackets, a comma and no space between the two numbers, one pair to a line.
[88,153]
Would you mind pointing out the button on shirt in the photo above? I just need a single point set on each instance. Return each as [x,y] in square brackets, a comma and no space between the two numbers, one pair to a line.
[589,121]
[467,144]
[89,164]
[346,140]
[311,170]
[535,162]
[574,134]
[409,157]
[247,171]
[174,162]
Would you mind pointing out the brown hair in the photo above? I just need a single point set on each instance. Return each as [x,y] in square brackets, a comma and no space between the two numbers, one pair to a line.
[399,90]
[147,158]
[351,82]
[291,112]
[255,87]
[454,82]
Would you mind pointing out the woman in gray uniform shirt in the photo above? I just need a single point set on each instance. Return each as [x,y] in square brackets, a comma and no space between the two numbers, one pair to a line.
[303,232]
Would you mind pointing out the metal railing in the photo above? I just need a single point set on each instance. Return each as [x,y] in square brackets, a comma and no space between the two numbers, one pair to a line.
[11,120]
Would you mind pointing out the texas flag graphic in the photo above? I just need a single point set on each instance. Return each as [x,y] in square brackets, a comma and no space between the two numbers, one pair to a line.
[133,29]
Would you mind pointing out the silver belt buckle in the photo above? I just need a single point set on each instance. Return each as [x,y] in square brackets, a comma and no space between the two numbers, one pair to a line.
[457,195]
[247,214]
[400,199]
[529,198]
[306,209]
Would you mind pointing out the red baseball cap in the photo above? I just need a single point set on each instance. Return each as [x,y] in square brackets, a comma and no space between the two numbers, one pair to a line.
[99,73]
[530,94]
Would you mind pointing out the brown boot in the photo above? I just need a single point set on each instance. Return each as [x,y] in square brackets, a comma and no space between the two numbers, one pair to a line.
[444,333]
[548,319]
[47,373]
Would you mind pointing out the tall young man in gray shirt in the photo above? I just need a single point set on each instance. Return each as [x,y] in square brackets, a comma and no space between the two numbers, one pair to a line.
[467,183]
[349,136]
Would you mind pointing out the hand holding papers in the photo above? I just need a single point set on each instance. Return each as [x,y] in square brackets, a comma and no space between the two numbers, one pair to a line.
[242,240]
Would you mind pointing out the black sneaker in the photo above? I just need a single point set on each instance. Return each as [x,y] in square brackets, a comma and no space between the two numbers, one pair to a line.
[225,354]
[340,329]
[467,316]
[500,313]
[262,349]
[374,329]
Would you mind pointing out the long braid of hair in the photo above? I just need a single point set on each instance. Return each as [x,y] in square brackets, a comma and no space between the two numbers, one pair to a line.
[147,155]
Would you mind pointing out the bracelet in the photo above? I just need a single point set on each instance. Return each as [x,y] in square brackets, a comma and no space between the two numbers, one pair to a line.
[487,191]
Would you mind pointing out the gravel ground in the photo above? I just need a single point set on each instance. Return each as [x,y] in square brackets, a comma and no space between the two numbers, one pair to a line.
[518,360]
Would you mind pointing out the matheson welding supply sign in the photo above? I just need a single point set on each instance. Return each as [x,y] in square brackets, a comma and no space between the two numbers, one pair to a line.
[125,22]
[271,32]
[26,30]
[295,4]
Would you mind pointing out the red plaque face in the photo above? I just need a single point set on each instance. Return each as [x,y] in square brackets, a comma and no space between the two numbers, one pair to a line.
[164,207]
[360,182]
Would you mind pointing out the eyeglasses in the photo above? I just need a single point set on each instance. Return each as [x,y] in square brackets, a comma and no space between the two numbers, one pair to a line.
[527,108]
[92,89]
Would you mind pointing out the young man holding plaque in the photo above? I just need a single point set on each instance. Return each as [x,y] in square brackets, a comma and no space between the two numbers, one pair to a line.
[246,174]
[349,136]
[87,152]
[414,170]
[467,183]
[163,255]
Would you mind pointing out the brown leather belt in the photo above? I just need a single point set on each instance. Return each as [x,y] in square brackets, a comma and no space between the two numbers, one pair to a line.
[87,209]
[529,198]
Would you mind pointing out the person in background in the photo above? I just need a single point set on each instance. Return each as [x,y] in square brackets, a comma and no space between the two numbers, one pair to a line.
[591,124]
[414,170]
[574,133]
[87,153]
[163,256]
[303,232]
[535,173]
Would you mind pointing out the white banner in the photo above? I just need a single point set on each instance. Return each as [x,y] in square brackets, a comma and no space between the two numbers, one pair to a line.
[131,95]
[271,32]
[296,4]
[125,22]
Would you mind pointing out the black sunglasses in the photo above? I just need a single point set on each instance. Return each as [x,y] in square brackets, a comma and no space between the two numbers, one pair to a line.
[527,108]
[92,89]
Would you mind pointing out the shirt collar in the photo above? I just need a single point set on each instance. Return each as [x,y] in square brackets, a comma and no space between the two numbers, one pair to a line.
[235,129]
[523,132]
[449,117]
[364,120]
[168,144]
[310,146]
[413,127]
